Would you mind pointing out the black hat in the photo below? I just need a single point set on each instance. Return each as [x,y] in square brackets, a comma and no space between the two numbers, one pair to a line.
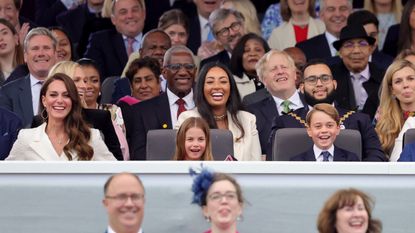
[352,32]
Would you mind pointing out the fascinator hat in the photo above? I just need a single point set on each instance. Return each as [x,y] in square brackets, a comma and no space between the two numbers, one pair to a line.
[201,184]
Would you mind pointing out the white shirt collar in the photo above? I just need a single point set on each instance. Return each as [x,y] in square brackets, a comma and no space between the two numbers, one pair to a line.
[295,99]
[33,80]
[330,39]
[137,38]
[319,157]
[189,104]
[110,230]
[365,73]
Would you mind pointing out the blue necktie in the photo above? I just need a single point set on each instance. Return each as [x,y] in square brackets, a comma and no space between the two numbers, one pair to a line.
[326,156]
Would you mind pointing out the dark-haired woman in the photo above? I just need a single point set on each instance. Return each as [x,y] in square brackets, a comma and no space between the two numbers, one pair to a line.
[219,103]
[245,55]
[64,135]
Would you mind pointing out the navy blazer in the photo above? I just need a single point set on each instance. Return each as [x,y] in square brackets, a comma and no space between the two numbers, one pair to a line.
[345,94]
[10,124]
[222,57]
[265,111]
[108,50]
[315,48]
[371,148]
[391,40]
[256,97]
[339,155]
[146,115]
[195,37]
[16,96]
[47,10]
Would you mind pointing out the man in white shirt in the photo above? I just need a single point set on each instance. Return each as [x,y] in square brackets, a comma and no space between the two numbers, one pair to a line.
[124,201]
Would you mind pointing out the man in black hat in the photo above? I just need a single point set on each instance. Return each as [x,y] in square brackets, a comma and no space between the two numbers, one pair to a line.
[357,79]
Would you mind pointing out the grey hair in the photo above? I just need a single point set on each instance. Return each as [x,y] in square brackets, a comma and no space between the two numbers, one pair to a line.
[260,65]
[39,31]
[350,3]
[221,14]
[176,49]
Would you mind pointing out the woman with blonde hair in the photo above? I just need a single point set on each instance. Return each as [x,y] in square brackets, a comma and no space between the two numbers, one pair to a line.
[397,103]
[388,14]
[249,12]
[193,140]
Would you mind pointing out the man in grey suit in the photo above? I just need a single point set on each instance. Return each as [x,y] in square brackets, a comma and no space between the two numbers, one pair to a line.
[124,200]
[22,95]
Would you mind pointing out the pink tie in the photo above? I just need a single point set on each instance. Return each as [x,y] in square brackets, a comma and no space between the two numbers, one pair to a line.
[130,48]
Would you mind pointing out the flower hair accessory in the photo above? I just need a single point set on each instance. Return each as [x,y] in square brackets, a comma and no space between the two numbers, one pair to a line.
[201,184]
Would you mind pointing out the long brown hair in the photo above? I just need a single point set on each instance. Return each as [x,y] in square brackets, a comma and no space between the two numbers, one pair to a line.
[18,58]
[192,122]
[286,12]
[78,131]
[345,197]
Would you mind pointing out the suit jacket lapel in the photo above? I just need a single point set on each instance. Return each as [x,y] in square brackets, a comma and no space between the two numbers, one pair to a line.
[25,100]
[269,109]
[120,49]
[310,155]
[338,155]
[163,111]
[42,145]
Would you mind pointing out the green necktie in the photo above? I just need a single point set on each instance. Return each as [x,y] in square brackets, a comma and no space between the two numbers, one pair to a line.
[286,106]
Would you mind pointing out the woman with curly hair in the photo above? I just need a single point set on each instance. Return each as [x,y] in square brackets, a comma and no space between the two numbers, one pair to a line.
[397,103]
[213,191]
[347,211]
[64,135]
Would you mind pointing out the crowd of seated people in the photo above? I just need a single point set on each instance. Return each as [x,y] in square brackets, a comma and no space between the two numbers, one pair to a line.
[175,60]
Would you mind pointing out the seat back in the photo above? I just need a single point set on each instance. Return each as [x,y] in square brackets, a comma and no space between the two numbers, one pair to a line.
[289,142]
[161,144]
[408,137]
[107,88]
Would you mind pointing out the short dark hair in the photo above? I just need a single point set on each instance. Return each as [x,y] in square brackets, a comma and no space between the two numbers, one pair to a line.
[362,17]
[314,62]
[139,63]
[108,182]
[58,28]
[89,62]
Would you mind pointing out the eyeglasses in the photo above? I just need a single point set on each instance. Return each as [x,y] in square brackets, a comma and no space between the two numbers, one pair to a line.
[122,198]
[177,67]
[229,196]
[225,31]
[312,80]
[349,45]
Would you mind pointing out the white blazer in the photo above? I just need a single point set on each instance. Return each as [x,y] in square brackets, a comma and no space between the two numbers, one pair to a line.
[245,85]
[34,144]
[283,36]
[397,148]
[248,147]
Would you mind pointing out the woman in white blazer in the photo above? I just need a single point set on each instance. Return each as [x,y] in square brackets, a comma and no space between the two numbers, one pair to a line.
[64,135]
[299,24]
[219,103]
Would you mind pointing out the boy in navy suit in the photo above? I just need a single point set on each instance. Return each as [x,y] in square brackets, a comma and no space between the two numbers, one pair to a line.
[323,125]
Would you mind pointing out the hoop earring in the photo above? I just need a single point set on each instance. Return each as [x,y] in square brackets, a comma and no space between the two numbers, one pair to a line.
[240,218]
[207,218]
[44,115]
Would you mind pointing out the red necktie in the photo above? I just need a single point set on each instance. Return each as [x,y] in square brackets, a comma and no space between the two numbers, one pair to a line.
[181,108]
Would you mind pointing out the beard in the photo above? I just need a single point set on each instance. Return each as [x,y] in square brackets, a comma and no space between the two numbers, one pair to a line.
[310,100]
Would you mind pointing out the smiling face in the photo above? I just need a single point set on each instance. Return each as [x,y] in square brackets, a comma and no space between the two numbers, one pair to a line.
[253,51]
[230,40]
[57,102]
[403,87]
[195,144]
[40,56]
[63,47]
[323,130]
[334,15]
[180,82]
[93,84]
[9,12]
[352,219]
[8,41]
[320,90]
[222,205]
[217,88]
[128,17]
[279,76]
[355,54]
[124,216]
[145,84]
[80,80]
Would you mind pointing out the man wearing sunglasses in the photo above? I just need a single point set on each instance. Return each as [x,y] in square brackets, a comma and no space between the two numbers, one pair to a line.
[161,112]
[358,80]
[318,86]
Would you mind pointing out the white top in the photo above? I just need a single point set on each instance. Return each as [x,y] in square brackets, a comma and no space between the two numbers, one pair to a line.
[319,156]
[34,144]
[397,148]
[189,104]
[295,104]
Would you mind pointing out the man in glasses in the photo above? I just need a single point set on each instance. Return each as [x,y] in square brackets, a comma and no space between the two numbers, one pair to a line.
[357,79]
[228,27]
[161,112]
[319,87]
[124,201]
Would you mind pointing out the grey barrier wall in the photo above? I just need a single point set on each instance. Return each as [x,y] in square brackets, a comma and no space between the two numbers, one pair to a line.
[282,197]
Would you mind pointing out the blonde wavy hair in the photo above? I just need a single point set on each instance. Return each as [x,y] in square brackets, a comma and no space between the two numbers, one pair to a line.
[391,120]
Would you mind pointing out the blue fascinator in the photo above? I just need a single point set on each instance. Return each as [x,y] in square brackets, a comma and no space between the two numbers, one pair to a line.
[201,184]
